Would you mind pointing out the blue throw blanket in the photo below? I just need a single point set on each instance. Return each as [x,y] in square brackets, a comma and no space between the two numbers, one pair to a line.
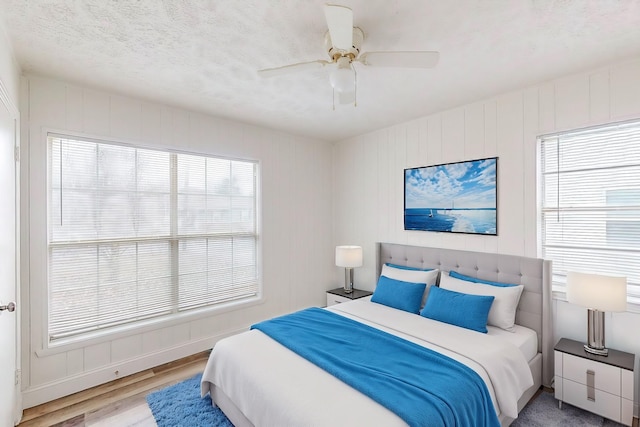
[421,386]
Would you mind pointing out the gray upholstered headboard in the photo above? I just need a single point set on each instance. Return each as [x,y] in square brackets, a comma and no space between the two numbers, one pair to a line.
[534,309]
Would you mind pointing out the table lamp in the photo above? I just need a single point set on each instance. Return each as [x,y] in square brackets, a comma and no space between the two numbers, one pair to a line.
[598,294]
[348,257]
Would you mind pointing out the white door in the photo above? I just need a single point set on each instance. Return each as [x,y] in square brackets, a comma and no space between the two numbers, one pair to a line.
[8,285]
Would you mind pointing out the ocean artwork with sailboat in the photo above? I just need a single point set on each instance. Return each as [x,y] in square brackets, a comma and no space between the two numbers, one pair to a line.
[454,197]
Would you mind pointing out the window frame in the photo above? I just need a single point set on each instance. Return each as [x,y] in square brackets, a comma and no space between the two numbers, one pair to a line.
[40,245]
[559,286]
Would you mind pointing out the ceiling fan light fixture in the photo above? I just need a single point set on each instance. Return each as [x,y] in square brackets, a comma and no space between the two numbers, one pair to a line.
[342,79]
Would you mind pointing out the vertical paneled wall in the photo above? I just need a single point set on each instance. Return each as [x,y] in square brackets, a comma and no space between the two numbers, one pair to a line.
[295,228]
[368,174]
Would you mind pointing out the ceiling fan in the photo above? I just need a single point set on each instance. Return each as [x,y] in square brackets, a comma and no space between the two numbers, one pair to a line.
[342,42]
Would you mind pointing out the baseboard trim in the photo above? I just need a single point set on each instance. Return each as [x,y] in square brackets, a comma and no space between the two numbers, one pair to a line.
[47,392]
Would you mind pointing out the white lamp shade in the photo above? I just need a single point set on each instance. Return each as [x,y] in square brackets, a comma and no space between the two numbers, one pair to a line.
[596,292]
[348,256]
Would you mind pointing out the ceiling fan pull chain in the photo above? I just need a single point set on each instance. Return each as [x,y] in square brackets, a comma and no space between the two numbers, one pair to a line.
[355,87]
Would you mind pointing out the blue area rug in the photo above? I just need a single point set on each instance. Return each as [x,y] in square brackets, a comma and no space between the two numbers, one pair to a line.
[180,405]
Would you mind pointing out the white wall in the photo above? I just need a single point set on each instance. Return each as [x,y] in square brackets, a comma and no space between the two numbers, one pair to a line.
[296,228]
[9,69]
[368,175]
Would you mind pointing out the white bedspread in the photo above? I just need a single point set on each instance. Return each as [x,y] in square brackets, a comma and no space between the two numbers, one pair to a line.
[273,386]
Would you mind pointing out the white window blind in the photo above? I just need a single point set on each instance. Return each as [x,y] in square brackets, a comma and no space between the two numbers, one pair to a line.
[135,233]
[590,191]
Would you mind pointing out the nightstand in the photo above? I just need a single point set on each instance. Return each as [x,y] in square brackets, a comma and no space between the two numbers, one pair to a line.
[338,295]
[599,384]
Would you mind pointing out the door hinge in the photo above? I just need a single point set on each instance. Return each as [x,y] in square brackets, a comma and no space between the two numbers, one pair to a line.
[16,153]
[17,377]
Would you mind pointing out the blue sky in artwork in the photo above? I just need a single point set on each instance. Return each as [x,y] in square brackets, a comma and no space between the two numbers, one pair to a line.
[460,185]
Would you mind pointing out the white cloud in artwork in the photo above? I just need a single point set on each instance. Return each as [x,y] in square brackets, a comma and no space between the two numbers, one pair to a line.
[461,185]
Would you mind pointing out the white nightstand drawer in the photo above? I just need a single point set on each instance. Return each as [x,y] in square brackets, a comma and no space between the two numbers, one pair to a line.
[606,377]
[335,299]
[605,404]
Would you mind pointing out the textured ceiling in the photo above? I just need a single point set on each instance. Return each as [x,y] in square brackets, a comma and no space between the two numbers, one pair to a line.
[203,55]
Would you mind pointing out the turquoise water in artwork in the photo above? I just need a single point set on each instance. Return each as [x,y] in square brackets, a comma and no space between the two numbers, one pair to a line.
[463,220]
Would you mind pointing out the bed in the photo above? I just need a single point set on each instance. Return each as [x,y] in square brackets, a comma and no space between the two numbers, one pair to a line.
[257,381]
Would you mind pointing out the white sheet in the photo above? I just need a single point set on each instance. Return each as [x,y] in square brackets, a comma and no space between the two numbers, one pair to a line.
[524,338]
[274,386]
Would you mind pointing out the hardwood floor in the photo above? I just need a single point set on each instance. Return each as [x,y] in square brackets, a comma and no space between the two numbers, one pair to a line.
[117,403]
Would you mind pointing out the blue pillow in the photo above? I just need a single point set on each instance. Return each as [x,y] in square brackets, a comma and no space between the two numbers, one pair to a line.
[476,280]
[455,308]
[405,296]
[404,267]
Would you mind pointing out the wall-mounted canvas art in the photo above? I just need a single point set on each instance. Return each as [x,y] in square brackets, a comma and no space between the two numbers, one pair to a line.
[454,197]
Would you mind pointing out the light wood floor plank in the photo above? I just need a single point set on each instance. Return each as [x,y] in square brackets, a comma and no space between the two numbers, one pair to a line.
[118,403]
[46,408]
[134,414]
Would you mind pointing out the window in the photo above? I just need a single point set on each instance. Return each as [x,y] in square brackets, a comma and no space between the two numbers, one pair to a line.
[135,234]
[590,190]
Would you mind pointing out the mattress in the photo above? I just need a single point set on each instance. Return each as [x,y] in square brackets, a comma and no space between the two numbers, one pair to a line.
[281,388]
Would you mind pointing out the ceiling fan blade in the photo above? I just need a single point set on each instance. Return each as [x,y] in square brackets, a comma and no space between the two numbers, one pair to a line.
[340,23]
[347,97]
[293,68]
[422,59]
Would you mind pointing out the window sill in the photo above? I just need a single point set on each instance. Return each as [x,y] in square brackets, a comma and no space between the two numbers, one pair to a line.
[73,343]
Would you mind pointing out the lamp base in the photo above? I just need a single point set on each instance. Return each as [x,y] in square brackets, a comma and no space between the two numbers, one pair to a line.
[596,351]
[595,333]
[348,280]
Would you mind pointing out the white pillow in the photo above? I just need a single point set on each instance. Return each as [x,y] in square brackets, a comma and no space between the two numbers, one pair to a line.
[412,276]
[503,309]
